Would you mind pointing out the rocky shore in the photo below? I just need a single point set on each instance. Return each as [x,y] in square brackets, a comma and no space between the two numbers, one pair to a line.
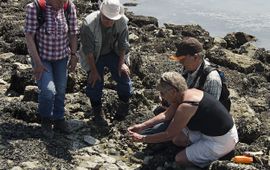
[89,146]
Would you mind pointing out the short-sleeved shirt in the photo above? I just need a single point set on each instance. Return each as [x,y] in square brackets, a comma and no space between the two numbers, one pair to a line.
[52,37]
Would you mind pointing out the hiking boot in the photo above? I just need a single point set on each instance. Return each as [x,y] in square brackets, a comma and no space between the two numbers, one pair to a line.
[122,110]
[61,125]
[46,128]
[99,116]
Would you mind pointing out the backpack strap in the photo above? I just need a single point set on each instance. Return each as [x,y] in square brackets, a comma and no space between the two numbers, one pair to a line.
[193,103]
[67,10]
[207,70]
[40,8]
[199,73]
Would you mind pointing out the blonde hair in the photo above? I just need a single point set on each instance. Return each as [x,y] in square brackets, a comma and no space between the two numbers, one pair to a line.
[172,80]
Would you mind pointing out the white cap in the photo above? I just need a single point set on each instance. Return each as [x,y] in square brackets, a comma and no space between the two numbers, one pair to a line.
[112,9]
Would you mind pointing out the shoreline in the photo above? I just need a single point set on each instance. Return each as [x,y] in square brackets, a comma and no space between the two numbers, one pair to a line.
[219,25]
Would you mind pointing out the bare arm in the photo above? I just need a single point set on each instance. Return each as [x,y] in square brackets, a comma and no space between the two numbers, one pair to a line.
[181,118]
[122,67]
[162,117]
[73,47]
[32,48]
[93,75]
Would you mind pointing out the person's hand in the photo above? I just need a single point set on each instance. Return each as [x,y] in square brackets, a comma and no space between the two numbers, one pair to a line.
[72,63]
[135,128]
[123,68]
[93,78]
[38,70]
[136,137]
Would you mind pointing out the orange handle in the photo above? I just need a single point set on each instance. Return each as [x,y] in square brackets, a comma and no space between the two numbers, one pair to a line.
[242,159]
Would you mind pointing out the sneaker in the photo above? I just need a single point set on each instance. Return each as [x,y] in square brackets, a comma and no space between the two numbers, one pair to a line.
[61,125]
[122,110]
[46,128]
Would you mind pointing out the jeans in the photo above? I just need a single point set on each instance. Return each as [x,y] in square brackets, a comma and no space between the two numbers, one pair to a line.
[160,127]
[52,86]
[123,87]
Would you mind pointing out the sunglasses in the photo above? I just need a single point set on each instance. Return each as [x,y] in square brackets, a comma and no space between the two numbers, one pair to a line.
[168,83]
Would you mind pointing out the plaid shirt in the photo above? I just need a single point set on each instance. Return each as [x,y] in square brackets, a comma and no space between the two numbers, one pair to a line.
[212,85]
[52,37]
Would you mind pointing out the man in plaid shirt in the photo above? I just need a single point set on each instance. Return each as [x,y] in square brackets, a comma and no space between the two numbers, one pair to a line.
[52,47]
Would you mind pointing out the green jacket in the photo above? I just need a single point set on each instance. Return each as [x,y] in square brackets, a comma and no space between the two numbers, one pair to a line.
[92,22]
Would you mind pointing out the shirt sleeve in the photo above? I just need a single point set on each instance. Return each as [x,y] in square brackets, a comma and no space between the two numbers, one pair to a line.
[87,39]
[31,22]
[73,24]
[123,42]
[213,84]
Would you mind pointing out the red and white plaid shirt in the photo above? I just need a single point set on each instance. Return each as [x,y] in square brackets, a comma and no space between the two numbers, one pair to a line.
[52,37]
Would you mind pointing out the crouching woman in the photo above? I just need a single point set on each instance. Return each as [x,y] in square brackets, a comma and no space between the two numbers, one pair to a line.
[195,120]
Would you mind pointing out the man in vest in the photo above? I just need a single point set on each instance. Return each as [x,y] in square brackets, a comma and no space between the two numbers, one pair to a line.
[51,46]
[104,43]
[190,54]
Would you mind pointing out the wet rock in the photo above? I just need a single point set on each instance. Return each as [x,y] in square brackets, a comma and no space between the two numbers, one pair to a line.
[20,78]
[31,93]
[220,42]
[3,82]
[140,20]
[31,165]
[130,4]
[91,140]
[16,168]
[133,38]
[76,81]
[75,125]
[262,55]
[236,39]
[248,129]
[242,63]
[26,111]
[226,165]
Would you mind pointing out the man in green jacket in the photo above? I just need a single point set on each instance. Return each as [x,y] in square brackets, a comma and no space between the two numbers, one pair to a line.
[104,43]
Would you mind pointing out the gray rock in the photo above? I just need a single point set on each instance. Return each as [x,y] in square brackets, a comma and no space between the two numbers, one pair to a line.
[16,168]
[91,140]
[31,93]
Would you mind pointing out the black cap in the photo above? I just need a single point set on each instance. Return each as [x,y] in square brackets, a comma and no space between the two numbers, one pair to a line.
[189,46]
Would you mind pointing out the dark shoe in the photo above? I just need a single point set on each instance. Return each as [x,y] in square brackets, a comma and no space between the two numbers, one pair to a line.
[46,127]
[61,126]
[99,117]
[122,110]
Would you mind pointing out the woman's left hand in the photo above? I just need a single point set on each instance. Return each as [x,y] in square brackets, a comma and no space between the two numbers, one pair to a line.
[136,137]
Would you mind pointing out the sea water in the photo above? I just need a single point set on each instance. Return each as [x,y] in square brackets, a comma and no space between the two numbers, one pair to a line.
[219,17]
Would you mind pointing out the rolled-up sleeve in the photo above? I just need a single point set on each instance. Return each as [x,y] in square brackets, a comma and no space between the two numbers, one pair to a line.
[73,24]
[87,39]
[31,23]
[123,42]
[213,84]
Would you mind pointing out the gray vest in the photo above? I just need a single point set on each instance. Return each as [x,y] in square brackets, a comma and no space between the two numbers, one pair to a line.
[93,22]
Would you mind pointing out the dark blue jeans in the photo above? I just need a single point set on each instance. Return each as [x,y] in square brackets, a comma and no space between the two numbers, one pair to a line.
[123,88]
[161,127]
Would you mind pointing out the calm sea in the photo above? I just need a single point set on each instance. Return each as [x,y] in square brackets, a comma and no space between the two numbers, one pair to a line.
[219,17]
